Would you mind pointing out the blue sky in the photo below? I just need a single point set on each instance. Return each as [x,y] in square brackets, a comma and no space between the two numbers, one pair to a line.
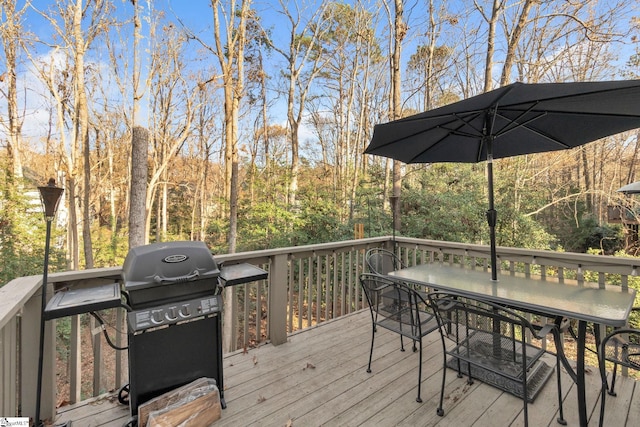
[197,15]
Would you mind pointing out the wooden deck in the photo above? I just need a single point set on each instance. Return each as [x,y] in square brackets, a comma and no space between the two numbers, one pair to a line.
[319,378]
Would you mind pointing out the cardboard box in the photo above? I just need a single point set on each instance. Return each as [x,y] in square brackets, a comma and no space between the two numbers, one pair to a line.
[193,405]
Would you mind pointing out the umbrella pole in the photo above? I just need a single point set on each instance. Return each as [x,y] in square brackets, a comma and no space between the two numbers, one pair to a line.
[492,215]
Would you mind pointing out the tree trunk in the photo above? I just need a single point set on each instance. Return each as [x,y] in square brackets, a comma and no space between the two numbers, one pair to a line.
[513,42]
[81,130]
[491,39]
[138,234]
[400,29]
[138,192]
[587,178]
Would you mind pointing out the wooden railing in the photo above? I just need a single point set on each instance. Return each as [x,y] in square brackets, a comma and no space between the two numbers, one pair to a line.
[307,285]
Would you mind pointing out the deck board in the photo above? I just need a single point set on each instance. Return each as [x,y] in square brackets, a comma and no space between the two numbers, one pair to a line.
[319,378]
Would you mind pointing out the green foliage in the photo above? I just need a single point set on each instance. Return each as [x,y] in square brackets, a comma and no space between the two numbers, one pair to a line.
[110,248]
[449,202]
[265,225]
[445,202]
[22,235]
[321,223]
[589,234]
[63,336]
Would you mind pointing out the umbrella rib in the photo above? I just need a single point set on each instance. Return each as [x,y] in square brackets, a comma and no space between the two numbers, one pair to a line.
[441,126]
[468,123]
[452,130]
[514,124]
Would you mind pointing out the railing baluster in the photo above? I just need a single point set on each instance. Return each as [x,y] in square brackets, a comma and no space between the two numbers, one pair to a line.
[300,292]
[98,364]
[246,320]
[334,284]
[309,285]
[120,338]
[75,362]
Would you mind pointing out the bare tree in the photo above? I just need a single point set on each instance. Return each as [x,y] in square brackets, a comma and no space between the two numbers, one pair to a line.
[351,51]
[138,234]
[229,49]
[78,25]
[399,32]
[304,62]
[172,112]
[11,33]
[230,57]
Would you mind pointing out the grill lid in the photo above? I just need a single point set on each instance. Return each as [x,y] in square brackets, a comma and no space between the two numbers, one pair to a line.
[167,263]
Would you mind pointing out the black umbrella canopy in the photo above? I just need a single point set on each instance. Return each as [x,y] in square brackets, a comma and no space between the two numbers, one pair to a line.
[520,118]
[509,121]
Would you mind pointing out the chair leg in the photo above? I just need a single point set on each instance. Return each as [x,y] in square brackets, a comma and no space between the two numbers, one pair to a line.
[419,399]
[525,398]
[603,394]
[560,419]
[373,336]
[613,381]
[459,368]
[440,410]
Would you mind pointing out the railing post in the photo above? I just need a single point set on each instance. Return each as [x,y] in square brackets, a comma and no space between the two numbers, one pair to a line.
[278,274]
[29,359]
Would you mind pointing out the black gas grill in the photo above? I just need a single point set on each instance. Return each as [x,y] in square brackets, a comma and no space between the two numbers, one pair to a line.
[174,325]
[172,295]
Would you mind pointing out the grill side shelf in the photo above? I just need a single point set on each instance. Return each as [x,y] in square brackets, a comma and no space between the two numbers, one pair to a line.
[69,302]
[238,274]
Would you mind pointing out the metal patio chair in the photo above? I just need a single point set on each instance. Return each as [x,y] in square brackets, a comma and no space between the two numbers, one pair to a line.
[490,344]
[622,348]
[400,309]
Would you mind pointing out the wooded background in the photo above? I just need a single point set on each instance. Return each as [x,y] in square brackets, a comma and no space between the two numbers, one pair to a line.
[248,132]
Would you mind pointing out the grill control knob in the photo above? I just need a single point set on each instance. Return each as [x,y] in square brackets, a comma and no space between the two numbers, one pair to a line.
[185,311]
[171,314]
[156,317]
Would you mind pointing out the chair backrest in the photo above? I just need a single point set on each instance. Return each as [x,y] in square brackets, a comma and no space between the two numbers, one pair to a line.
[382,261]
[374,287]
[396,303]
[622,346]
[494,327]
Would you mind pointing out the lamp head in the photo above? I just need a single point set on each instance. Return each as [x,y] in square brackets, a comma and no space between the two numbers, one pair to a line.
[50,197]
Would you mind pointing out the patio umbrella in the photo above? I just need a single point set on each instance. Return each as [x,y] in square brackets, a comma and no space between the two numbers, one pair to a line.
[633,188]
[512,120]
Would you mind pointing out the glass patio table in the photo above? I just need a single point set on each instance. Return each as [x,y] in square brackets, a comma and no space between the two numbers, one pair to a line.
[585,303]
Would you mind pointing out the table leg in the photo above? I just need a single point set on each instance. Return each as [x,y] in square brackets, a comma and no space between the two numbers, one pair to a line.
[576,375]
[580,380]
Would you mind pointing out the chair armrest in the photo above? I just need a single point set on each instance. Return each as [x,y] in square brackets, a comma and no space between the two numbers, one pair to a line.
[541,331]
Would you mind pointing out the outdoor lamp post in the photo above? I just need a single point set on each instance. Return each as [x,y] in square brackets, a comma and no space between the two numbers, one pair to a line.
[50,197]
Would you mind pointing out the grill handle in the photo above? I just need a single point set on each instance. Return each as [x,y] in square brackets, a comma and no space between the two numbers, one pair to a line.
[179,279]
